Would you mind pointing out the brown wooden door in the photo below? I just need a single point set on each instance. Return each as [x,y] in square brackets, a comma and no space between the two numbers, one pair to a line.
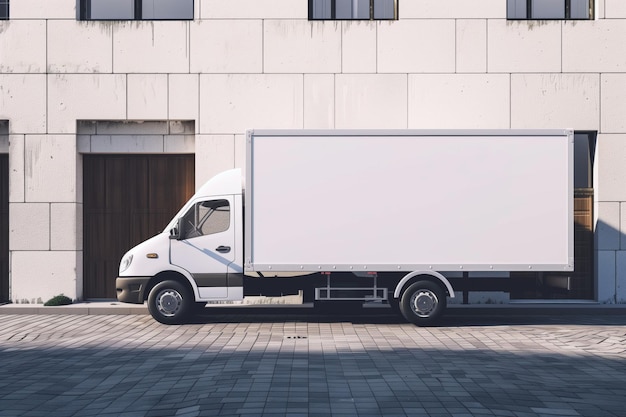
[4,227]
[127,199]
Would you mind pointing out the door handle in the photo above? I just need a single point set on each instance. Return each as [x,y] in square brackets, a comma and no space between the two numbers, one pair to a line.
[223,249]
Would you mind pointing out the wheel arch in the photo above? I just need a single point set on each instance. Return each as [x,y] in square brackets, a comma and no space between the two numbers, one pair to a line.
[169,275]
[415,276]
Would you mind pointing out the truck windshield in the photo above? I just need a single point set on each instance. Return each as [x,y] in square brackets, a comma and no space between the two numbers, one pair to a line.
[206,218]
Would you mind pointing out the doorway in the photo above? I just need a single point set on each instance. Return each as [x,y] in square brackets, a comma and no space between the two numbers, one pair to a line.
[127,199]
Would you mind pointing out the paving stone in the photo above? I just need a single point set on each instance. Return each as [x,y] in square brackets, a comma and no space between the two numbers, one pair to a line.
[131,366]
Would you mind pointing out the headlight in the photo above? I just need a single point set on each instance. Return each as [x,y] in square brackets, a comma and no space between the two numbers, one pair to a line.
[126,261]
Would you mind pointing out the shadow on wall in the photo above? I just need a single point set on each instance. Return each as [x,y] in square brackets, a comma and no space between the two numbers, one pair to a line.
[610,263]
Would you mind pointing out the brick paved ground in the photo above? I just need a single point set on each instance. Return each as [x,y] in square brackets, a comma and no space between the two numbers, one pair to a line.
[290,364]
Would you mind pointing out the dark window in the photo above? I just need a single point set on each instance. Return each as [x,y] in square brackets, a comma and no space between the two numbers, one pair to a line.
[135,9]
[549,9]
[4,9]
[353,9]
[584,153]
[206,218]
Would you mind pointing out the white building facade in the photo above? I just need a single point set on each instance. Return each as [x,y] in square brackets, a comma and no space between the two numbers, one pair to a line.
[79,91]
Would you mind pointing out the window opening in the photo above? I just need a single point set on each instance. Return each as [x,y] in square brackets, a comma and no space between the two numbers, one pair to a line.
[206,218]
[550,9]
[135,9]
[584,153]
[353,9]
[4,9]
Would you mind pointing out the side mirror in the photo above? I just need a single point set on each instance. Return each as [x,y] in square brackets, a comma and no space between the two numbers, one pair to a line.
[175,232]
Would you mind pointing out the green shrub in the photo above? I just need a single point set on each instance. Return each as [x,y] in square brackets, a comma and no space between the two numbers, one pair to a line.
[59,300]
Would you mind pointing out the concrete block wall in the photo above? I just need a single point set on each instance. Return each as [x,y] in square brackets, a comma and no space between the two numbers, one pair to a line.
[261,64]
[150,137]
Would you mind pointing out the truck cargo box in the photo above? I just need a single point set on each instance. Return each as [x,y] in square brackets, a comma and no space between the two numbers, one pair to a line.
[409,200]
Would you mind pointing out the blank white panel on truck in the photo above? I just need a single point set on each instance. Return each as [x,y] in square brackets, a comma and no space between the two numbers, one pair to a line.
[409,200]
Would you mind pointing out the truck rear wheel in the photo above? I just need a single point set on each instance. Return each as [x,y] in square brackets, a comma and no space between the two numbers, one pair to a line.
[170,302]
[423,302]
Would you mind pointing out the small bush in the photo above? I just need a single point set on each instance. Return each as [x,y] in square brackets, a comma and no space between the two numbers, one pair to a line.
[59,300]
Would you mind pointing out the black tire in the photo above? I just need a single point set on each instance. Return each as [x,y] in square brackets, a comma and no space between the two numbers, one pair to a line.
[423,302]
[170,302]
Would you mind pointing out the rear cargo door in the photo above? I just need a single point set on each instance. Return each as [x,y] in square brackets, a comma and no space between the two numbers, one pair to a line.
[207,245]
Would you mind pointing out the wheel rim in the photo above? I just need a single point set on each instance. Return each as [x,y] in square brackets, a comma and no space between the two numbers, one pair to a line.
[169,302]
[424,303]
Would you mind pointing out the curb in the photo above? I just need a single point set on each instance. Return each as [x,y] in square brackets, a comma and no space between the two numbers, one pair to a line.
[512,309]
[88,309]
[538,309]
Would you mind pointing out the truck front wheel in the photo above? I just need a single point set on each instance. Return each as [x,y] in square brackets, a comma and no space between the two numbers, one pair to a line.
[423,302]
[170,302]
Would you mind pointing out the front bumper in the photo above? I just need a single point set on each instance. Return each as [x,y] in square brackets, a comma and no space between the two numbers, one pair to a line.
[131,289]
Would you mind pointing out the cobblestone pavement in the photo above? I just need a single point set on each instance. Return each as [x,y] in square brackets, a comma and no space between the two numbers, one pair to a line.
[288,363]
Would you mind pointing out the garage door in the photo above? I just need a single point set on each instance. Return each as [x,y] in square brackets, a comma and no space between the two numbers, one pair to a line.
[127,199]
[4,227]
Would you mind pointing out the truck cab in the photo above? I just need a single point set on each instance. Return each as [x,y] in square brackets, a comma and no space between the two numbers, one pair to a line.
[198,257]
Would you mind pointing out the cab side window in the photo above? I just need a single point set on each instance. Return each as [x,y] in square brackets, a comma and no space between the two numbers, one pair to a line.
[206,218]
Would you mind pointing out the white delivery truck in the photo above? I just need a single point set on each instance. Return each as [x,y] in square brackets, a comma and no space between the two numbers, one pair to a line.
[362,215]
